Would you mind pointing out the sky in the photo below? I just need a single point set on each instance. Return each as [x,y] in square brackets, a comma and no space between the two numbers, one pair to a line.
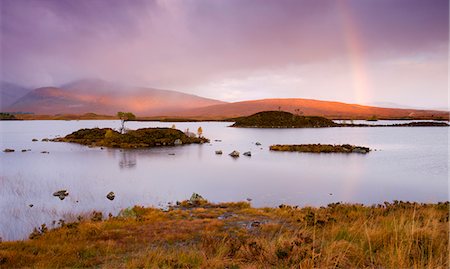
[355,51]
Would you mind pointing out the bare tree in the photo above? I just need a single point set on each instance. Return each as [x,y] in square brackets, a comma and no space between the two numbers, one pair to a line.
[125,116]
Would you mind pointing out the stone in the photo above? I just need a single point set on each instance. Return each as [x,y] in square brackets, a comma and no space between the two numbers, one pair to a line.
[8,150]
[248,154]
[61,194]
[219,152]
[24,150]
[34,140]
[258,144]
[45,140]
[45,152]
[111,196]
[360,150]
[234,154]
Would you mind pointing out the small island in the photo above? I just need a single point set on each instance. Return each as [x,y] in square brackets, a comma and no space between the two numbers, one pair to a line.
[321,148]
[282,119]
[140,138]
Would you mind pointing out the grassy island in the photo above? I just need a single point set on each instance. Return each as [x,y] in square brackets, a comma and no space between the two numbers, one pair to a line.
[321,148]
[141,138]
[282,119]
[235,235]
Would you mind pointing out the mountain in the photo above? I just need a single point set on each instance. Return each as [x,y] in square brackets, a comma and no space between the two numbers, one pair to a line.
[309,107]
[104,97]
[10,93]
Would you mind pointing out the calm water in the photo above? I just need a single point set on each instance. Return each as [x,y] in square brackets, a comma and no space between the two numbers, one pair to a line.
[409,164]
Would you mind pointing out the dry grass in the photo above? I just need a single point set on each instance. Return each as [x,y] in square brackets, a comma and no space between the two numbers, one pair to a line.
[234,235]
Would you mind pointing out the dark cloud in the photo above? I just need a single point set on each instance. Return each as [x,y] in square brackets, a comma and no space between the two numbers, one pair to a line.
[185,44]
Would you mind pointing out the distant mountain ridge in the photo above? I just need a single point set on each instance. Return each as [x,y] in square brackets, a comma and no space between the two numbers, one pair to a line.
[10,93]
[309,107]
[107,98]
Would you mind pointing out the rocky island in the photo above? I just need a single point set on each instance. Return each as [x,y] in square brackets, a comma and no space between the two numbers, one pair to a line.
[321,148]
[282,119]
[140,138]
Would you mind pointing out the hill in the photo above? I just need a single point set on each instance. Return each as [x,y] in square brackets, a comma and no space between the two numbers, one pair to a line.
[281,119]
[310,107]
[10,93]
[102,97]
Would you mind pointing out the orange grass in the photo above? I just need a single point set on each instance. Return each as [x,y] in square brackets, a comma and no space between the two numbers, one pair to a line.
[235,235]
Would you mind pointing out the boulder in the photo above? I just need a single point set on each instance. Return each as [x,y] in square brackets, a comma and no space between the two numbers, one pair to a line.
[219,152]
[234,154]
[111,196]
[8,150]
[258,144]
[45,152]
[178,142]
[24,150]
[360,150]
[61,194]
[248,154]
[45,140]
[34,140]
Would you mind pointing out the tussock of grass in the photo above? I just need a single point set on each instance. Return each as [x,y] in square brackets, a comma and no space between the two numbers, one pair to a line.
[235,235]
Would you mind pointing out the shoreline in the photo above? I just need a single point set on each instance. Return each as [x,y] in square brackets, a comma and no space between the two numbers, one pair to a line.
[196,233]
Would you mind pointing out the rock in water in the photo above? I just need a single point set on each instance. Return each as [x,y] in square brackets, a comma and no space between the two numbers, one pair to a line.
[248,154]
[8,150]
[61,194]
[34,140]
[177,142]
[234,154]
[219,152]
[361,150]
[258,144]
[111,196]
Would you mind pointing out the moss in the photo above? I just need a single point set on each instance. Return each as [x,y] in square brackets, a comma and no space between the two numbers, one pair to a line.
[281,119]
[141,138]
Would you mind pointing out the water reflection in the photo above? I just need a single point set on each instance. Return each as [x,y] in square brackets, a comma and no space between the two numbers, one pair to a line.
[127,159]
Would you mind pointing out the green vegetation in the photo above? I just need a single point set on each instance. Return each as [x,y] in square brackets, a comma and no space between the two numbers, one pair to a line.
[281,119]
[141,138]
[321,148]
[7,116]
[235,235]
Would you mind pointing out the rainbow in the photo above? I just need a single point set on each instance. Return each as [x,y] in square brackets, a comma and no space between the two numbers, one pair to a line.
[355,48]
